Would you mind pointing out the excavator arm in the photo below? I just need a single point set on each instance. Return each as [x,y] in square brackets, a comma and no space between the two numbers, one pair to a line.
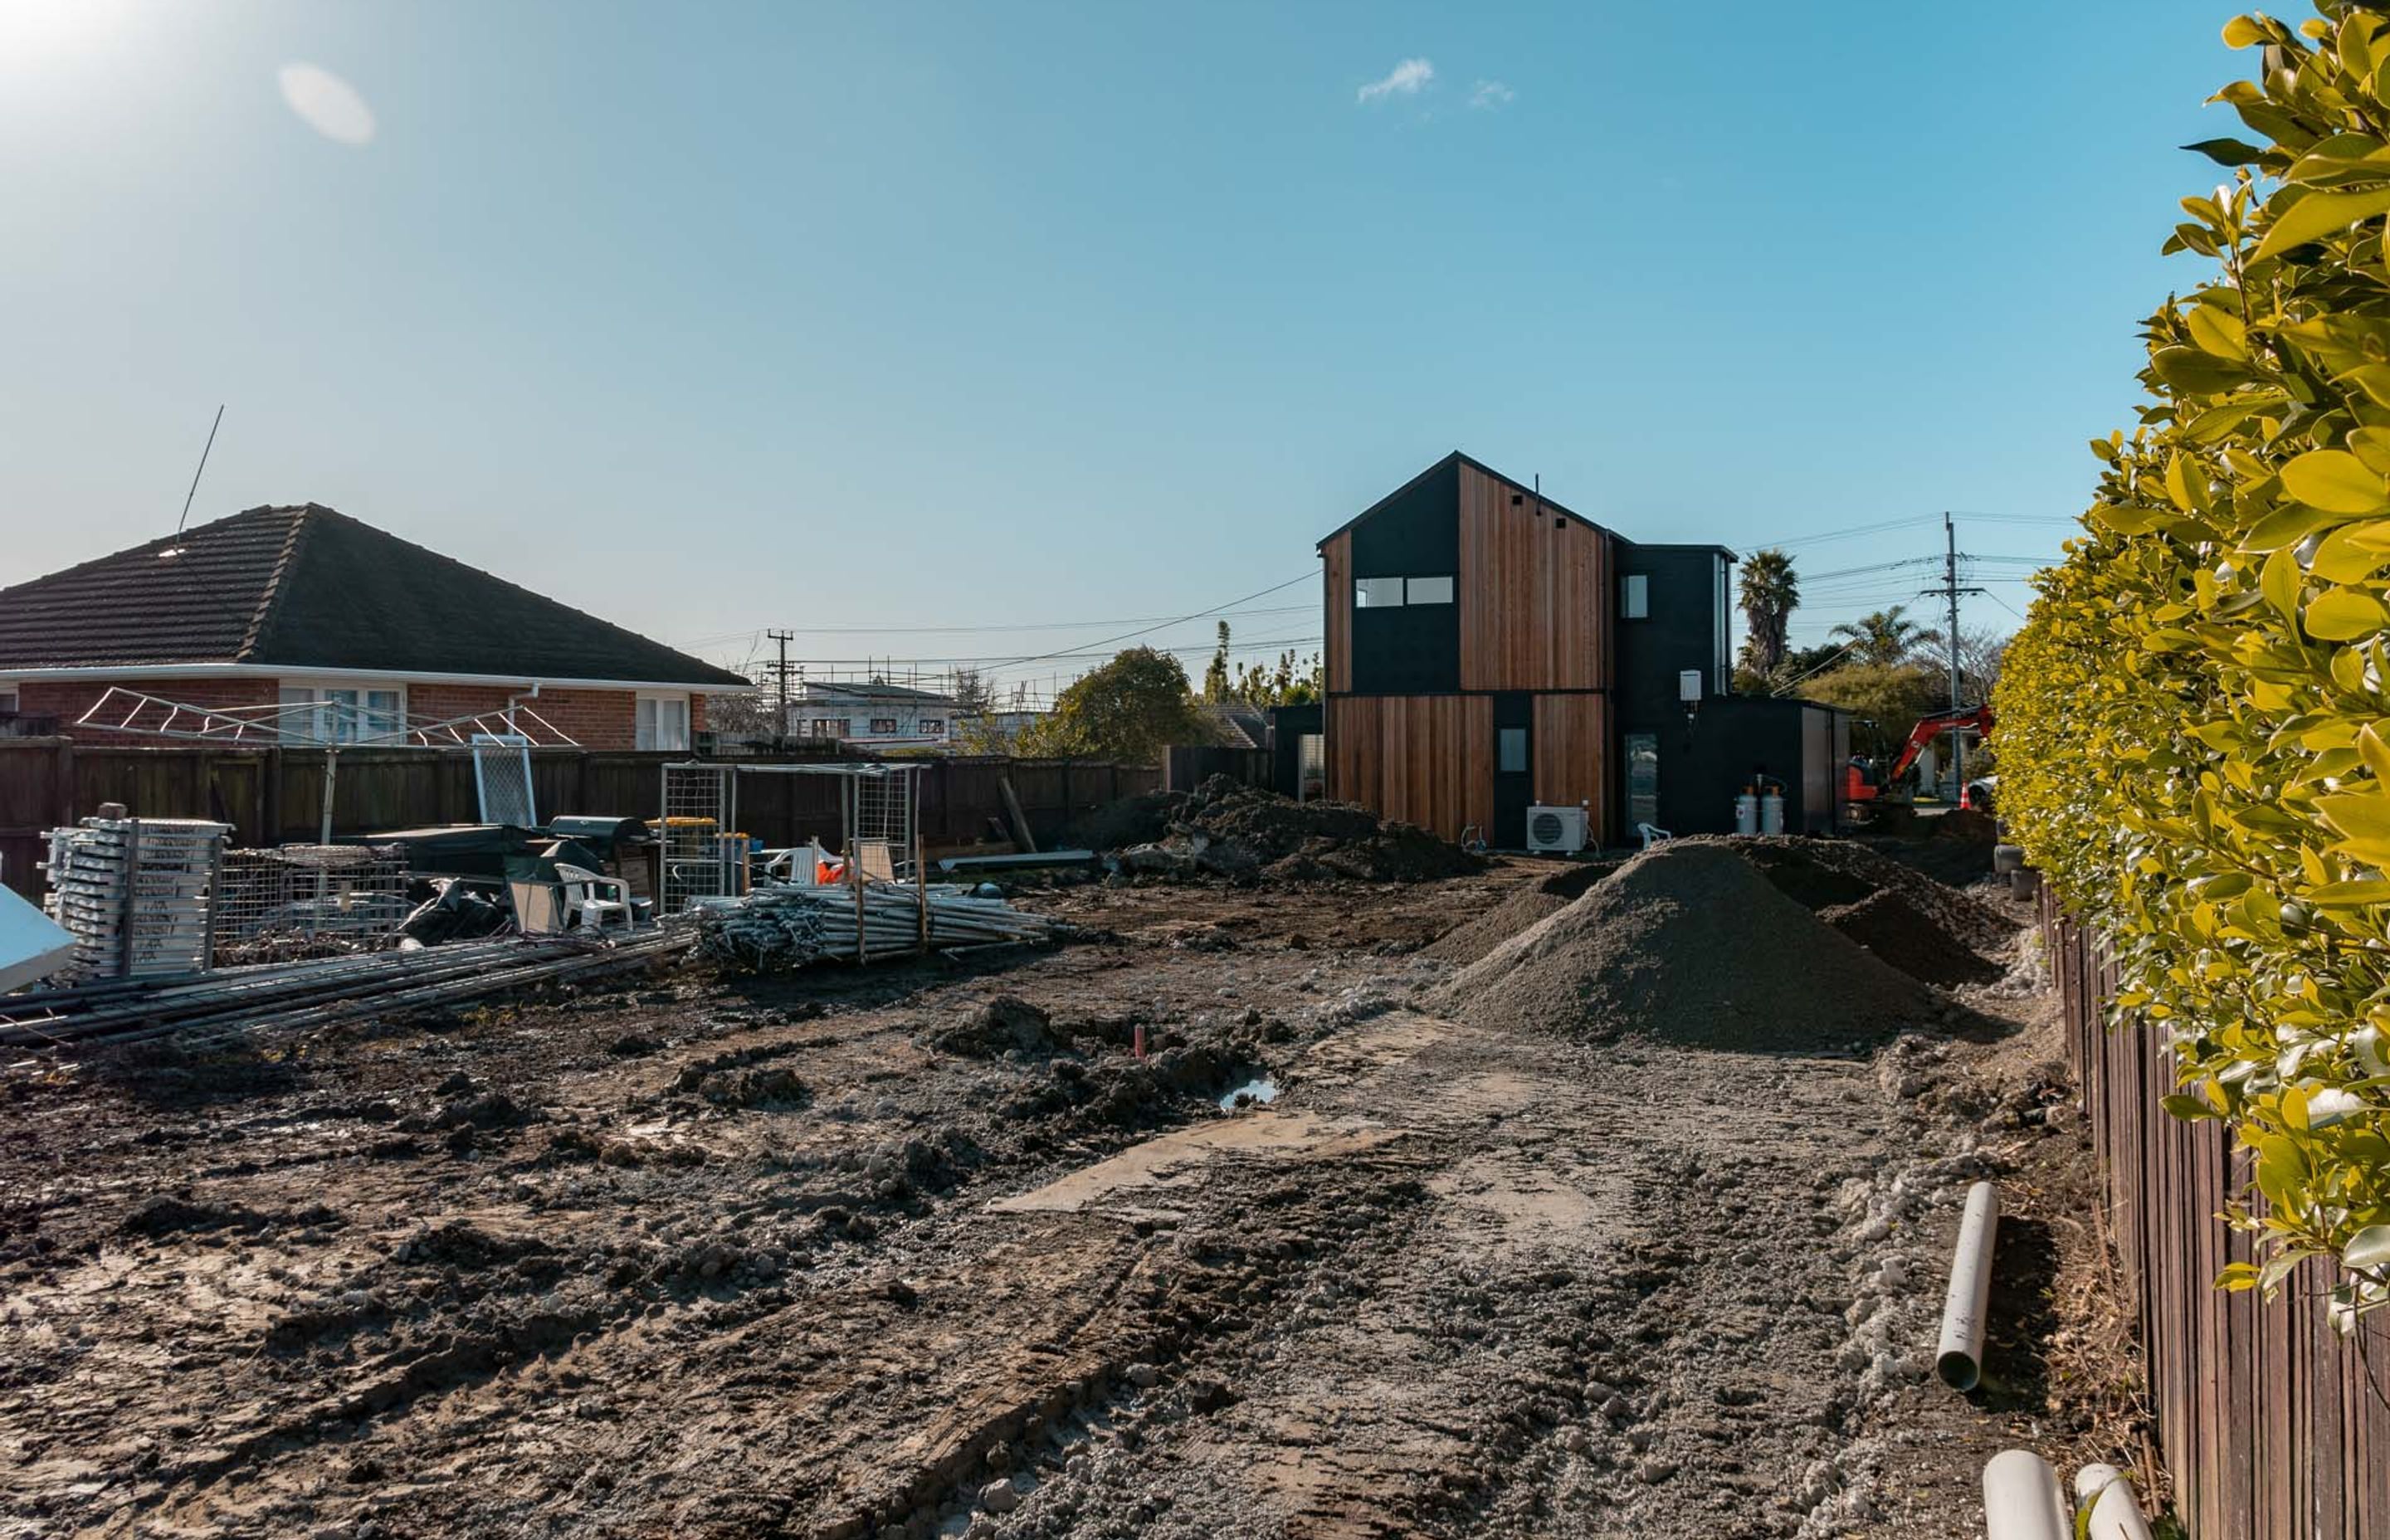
[1932,725]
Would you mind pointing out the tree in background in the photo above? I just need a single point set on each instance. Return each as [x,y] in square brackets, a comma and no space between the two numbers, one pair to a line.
[1287,683]
[1216,686]
[741,718]
[1886,638]
[1981,652]
[1770,592]
[1885,699]
[972,695]
[1128,710]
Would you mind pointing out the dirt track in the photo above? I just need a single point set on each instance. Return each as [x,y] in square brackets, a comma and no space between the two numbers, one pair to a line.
[698,1259]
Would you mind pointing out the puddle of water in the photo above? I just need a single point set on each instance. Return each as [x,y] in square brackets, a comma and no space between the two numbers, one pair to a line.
[1259,1092]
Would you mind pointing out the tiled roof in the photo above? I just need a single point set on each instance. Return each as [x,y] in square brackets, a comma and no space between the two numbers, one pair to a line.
[306,587]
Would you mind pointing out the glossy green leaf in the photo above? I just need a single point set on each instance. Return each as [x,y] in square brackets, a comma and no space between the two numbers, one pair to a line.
[2337,481]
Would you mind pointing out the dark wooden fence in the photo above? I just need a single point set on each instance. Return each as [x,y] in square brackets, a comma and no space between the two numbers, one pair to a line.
[2272,1425]
[1184,769]
[272,796]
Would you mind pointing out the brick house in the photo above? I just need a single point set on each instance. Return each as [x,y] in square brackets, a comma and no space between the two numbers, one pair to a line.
[338,632]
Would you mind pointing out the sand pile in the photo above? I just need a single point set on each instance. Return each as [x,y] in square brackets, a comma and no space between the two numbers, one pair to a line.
[1689,944]
[1522,911]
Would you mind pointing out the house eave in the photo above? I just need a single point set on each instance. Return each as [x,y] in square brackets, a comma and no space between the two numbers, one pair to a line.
[376,676]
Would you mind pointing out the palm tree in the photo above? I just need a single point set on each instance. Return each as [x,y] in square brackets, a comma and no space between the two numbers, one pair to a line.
[1885,638]
[1770,592]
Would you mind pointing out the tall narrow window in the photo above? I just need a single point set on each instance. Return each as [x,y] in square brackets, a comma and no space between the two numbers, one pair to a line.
[1635,596]
[1512,752]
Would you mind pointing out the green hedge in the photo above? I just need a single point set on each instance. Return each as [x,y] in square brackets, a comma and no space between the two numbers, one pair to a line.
[2194,724]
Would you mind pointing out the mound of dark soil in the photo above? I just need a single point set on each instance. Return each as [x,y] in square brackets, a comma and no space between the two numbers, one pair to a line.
[1889,924]
[1689,944]
[1826,875]
[1008,1022]
[1226,828]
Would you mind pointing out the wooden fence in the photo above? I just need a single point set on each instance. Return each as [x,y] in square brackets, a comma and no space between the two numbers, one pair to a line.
[273,795]
[2272,1425]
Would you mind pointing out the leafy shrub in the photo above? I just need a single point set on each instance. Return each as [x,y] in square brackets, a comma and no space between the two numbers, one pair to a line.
[2195,723]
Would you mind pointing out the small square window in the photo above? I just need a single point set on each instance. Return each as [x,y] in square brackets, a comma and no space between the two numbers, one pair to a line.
[1378,593]
[1511,745]
[1635,596]
[1429,590]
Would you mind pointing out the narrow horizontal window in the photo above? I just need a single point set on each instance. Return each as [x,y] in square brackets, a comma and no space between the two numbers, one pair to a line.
[1429,590]
[1378,593]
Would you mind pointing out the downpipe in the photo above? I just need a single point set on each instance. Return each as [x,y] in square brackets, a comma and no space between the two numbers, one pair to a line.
[1960,1358]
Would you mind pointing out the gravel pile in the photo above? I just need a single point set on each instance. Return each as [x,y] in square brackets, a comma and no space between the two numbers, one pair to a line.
[1926,929]
[1689,944]
[1521,912]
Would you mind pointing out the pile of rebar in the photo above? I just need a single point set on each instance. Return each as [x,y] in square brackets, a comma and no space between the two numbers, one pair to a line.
[299,996]
[785,927]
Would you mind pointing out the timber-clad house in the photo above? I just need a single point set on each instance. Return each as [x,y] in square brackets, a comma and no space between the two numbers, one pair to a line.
[1489,649]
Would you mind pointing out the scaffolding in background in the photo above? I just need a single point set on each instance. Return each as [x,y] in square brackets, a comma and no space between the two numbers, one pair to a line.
[705,855]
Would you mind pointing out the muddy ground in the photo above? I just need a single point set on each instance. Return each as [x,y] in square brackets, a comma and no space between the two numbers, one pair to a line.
[925,1250]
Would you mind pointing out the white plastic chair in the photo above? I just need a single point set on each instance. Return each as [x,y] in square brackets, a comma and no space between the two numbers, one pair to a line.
[594,902]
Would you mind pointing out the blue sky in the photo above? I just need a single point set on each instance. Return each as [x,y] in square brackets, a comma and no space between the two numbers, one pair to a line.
[1002,316]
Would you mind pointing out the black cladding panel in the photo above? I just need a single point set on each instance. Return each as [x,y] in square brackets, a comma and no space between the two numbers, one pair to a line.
[1681,631]
[1418,530]
[1411,649]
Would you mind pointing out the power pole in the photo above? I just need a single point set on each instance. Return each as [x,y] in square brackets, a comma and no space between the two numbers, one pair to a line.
[1950,591]
[780,672]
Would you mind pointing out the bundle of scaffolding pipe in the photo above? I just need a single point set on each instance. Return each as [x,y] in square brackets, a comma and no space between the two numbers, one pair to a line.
[779,926]
[301,996]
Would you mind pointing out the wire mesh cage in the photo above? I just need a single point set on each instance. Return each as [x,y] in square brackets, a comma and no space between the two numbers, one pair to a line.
[701,853]
[308,901]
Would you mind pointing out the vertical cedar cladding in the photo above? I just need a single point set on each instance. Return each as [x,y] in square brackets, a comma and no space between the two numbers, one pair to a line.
[1336,558]
[1422,759]
[1572,745]
[1535,593]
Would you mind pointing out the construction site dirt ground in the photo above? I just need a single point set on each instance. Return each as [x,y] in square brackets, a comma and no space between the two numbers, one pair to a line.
[882,1252]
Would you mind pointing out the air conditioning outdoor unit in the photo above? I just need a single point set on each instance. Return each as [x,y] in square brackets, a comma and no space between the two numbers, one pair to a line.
[1559,830]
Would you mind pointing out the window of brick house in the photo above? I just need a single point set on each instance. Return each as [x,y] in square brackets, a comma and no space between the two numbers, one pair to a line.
[662,722]
[341,713]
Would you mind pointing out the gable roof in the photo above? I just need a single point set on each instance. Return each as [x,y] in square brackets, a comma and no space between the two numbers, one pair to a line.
[1239,725]
[1458,457]
[305,587]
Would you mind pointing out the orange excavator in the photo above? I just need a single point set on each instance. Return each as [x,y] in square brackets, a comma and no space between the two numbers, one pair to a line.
[1864,786]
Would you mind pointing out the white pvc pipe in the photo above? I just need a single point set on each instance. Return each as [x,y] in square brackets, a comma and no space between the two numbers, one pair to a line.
[1960,1358]
[2022,1500]
[2116,1513]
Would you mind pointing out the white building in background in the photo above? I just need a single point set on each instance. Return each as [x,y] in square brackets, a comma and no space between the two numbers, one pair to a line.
[873,715]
